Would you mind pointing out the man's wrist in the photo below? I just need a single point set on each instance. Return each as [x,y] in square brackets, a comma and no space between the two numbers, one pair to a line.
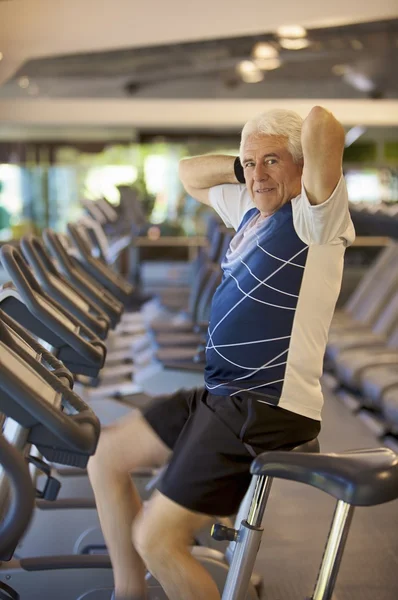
[238,170]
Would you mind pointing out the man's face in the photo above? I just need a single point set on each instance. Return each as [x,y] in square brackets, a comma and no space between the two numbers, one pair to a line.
[272,178]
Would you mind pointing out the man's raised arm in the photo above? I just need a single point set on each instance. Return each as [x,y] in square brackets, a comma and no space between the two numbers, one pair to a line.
[322,139]
[200,173]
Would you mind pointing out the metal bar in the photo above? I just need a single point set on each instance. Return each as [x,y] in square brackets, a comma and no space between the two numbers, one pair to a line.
[244,507]
[333,552]
[259,501]
[241,568]
[248,541]
[241,515]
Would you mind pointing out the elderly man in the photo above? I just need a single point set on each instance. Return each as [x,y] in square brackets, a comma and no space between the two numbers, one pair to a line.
[286,198]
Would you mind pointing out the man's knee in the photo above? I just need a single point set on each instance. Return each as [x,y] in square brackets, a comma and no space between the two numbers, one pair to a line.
[164,530]
[155,547]
[104,458]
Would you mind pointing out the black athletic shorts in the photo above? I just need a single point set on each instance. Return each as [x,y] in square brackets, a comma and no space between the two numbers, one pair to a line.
[214,440]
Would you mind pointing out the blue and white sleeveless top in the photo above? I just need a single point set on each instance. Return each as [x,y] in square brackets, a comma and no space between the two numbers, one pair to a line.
[271,313]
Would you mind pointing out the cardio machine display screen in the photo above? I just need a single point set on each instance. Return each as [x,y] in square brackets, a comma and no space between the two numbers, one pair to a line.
[71,295]
[28,376]
[57,314]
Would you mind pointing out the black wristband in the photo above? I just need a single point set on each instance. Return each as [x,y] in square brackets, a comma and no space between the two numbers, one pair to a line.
[238,170]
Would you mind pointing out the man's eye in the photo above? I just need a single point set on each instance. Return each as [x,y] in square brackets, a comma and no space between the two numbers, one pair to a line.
[248,164]
[271,161]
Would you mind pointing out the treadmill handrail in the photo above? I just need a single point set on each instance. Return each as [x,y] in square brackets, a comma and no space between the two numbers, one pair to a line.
[98,245]
[57,366]
[91,349]
[66,260]
[116,283]
[80,431]
[37,256]
[20,510]
[99,294]
[35,253]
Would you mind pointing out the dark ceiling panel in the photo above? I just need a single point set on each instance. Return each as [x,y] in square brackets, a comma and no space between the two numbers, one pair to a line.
[208,69]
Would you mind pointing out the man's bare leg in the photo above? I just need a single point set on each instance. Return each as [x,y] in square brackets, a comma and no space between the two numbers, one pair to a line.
[125,445]
[163,534]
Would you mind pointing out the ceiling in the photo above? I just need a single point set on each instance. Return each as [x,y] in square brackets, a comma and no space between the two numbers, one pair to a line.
[208,69]
[106,64]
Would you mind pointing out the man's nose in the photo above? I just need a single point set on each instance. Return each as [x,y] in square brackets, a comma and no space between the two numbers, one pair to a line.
[260,172]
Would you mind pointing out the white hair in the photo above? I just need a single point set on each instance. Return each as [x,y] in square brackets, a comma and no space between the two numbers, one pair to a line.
[279,122]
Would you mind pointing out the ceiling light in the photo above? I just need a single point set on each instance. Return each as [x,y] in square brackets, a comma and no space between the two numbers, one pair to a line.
[249,72]
[294,43]
[23,82]
[356,44]
[339,69]
[353,134]
[291,31]
[264,50]
[267,64]
[358,81]
[1,56]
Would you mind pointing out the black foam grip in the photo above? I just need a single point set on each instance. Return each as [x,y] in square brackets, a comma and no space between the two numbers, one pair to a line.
[238,170]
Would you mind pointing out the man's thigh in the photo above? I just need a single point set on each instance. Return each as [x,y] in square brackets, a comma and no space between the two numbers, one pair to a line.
[130,443]
[147,439]
[209,471]
[168,415]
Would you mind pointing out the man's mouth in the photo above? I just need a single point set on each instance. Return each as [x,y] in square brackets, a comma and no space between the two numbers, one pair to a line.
[264,190]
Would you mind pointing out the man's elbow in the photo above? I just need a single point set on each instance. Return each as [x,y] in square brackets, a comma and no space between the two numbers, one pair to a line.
[183,170]
[321,124]
[319,116]
[185,176]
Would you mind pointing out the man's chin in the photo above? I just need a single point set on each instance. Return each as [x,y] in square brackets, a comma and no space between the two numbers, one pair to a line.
[267,207]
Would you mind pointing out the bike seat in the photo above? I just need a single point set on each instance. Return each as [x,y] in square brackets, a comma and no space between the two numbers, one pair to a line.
[358,477]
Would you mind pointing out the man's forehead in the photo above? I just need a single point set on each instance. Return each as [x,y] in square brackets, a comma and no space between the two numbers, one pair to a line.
[264,143]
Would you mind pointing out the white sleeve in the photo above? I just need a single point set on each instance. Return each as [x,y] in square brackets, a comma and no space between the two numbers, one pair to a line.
[326,223]
[231,202]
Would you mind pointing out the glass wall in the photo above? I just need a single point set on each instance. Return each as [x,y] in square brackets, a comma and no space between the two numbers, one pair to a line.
[34,197]
[372,185]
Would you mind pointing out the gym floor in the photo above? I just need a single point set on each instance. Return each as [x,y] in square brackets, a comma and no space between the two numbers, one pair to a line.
[297,521]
